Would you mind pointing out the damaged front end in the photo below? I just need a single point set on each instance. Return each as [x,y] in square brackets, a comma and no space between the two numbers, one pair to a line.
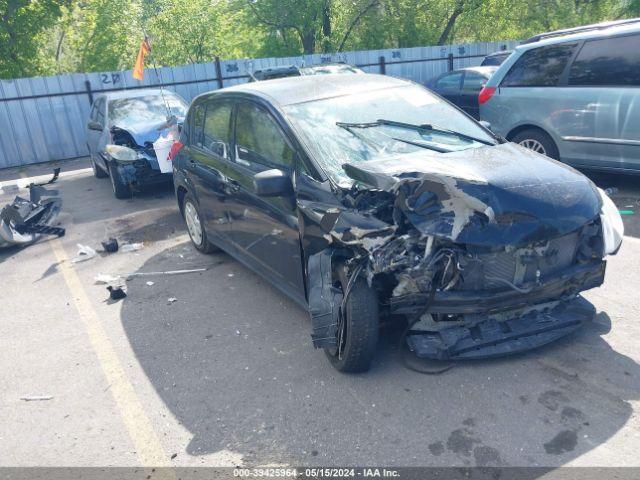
[134,151]
[483,259]
[24,221]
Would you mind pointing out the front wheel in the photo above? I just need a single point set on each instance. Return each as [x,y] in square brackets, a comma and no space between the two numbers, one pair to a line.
[538,141]
[358,330]
[120,189]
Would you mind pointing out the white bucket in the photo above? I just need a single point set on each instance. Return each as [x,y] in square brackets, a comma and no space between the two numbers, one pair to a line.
[162,147]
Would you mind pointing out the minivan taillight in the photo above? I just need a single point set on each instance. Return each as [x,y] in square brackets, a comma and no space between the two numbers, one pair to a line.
[175,148]
[485,94]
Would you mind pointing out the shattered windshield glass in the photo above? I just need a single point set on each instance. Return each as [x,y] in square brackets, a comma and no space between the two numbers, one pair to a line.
[148,108]
[348,129]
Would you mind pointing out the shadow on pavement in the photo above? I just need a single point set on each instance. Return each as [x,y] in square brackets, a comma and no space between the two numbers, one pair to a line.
[233,361]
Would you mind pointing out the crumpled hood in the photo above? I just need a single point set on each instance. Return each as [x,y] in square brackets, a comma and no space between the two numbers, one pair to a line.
[143,132]
[493,195]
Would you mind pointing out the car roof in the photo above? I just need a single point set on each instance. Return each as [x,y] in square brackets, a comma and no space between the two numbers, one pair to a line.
[585,33]
[134,93]
[499,53]
[292,90]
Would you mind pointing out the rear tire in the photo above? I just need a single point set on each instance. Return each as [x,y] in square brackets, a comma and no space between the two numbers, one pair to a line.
[361,329]
[120,189]
[538,141]
[193,220]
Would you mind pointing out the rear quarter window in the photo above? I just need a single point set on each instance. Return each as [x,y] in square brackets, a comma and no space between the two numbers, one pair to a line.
[608,62]
[539,67]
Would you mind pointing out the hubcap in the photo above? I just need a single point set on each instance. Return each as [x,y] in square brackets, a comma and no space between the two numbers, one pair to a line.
[534,145]
[193,223]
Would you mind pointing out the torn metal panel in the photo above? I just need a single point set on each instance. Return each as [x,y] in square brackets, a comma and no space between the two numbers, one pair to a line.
[24,221]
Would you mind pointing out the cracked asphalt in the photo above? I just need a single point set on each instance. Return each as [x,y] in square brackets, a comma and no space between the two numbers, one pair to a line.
[226,374]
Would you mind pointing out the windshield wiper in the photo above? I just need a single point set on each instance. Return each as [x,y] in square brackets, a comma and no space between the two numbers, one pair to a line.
[409,126]
[349,126]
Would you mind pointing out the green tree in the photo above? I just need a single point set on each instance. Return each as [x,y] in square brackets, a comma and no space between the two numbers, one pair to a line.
[23,26]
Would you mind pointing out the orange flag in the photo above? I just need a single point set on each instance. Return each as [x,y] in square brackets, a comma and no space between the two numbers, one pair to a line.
[138,69]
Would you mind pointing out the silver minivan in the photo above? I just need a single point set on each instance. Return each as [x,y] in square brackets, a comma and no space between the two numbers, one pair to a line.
[573,95]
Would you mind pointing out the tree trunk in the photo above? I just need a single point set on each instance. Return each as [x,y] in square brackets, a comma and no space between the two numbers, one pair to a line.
[457,11]
[308,40]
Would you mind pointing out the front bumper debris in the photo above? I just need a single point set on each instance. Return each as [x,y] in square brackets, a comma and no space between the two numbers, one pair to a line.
[494,337]
[24,221]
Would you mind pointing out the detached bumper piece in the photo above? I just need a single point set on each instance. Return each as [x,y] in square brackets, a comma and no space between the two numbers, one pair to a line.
[23,221]
[493,338]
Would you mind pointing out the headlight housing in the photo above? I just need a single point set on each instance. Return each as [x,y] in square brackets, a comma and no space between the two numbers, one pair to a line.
[123,154]
[612,226]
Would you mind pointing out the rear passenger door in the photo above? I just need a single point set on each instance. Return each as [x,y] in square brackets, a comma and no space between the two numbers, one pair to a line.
[208,158]
[604,86]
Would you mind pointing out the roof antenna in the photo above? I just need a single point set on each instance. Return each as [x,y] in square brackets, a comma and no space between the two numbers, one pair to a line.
[159,77]
[248,66]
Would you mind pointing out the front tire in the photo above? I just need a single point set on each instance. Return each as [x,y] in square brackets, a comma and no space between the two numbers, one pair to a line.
[357,331]
[197,233]
[121,190]
[97,171]
[538,141]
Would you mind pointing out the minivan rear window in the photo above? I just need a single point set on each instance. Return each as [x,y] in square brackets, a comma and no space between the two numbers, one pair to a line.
[539,67]
[609,61]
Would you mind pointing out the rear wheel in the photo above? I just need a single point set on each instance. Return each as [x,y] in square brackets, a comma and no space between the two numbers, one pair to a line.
[120,189]
[538,141]
[358,330]
[196,230]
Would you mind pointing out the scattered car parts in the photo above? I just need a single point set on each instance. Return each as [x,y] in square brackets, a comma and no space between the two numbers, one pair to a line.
[24,221]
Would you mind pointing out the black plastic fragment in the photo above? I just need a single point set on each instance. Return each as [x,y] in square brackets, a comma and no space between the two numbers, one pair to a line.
[110,246]
[492,338]
[324,300]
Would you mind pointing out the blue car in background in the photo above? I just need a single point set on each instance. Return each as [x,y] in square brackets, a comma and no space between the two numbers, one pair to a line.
[121,131]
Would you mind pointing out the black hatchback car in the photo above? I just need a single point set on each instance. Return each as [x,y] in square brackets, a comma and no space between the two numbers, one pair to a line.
[462,87]
[363,196]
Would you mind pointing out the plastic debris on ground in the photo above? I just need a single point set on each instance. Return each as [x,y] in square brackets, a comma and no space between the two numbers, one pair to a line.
[171,300]
[110,246]
[85,253]
[131,247]
[150,284]
[105,279]
[24,221]
[36,398]
[116,293]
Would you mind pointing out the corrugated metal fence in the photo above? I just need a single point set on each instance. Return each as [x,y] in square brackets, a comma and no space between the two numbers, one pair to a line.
[43,118]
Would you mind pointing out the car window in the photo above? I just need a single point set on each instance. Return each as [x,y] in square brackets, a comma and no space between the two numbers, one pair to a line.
[217,129]
[197,126]
[259,141]
[610,61]
[540,67]
[449,83]
[473,82]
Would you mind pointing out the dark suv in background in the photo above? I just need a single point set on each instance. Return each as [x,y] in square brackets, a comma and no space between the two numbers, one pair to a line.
[572,95]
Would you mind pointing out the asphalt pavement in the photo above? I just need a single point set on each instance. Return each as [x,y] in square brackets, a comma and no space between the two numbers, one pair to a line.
[216,367]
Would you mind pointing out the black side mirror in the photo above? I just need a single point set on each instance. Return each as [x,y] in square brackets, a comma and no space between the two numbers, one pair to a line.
[272,183]
[93,125]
